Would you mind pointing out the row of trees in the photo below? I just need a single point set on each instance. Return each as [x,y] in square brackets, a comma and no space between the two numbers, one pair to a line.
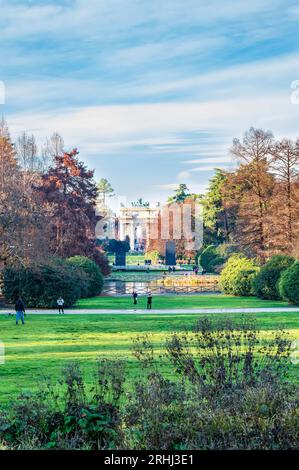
[47,202]
[256,206]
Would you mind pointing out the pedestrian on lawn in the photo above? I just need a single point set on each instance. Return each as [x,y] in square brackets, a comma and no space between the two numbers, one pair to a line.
[60,304]
[149,301]
[20,311]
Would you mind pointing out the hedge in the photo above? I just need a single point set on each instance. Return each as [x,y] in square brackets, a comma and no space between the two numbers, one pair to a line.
[266,283]
[40,284]
[237,276]
[92,271]
[289,284]
[210,258]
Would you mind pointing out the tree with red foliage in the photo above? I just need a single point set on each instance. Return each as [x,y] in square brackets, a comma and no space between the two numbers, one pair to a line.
[70,194]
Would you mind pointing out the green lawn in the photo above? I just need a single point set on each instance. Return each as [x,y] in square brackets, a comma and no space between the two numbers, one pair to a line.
[139,276]
[130,259]
[47,342]
[142,276]
[179,301]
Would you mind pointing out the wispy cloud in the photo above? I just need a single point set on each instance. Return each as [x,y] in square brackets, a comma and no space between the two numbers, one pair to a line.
[205,168]
[211,159]
[136,82]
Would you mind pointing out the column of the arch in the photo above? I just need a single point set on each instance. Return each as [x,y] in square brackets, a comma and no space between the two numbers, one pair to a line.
[131,233]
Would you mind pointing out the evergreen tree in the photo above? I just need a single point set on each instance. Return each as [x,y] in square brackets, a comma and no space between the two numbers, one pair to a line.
[105,189]
[181,193]
[219,218]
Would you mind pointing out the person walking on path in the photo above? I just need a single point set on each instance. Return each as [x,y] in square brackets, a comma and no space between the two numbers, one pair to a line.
[135,297]
[60,303]
[149,301]
[20,311]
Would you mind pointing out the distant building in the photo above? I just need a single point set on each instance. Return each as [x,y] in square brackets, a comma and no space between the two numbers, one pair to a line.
[150,228]
[136,223]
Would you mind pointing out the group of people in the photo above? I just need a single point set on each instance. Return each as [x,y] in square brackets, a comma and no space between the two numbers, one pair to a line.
[149,299]
[20,306]
[20,309]
[171,269]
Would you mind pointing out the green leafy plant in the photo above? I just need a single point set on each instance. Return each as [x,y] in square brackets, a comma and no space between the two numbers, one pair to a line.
[289,284]
[266,283]
[39,284]
[238,275]
[209,259]
[154,256]
[92,271]
[229,391]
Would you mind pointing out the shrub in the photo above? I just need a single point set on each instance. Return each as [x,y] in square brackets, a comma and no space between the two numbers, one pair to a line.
[213,257]
[154,256]
[92,271]
[266,283]
[243,282]
[289,284]
[229,390]
[68,416]
[210,258]
[41,283]
[237,276]
[102,261]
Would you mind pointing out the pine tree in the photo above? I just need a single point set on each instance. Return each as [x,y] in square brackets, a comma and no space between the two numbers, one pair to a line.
[105,189]
[218,212]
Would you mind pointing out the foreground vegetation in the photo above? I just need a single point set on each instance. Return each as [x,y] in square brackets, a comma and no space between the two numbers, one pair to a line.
[43,346]
[227,387]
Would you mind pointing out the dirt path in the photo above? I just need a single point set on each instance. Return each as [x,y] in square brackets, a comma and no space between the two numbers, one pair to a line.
[156,311]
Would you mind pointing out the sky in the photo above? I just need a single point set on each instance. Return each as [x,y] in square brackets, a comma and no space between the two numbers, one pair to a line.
[150,92]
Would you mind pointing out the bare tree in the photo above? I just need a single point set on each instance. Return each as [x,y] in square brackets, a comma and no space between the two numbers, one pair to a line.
[285,167]
[23,227]
[53,147]
[254,184]
[27,152]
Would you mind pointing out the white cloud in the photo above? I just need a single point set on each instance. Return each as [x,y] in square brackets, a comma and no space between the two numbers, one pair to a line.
[104,128]
[2,92]
[211,159]
[166,186]
[193,187]
[102,18]
[205,168]
[165,50]
[184,175]
[260,76]
[116,77]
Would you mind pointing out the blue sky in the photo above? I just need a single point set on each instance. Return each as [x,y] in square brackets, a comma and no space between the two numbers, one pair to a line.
[151,92]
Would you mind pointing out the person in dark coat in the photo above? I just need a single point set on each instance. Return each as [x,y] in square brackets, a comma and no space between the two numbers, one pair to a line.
[135,297]
[149,301]
[20,311]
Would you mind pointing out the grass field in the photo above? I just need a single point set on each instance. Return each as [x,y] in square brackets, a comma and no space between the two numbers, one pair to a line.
[130,259]
[143,276]
[179,301]
[47,342]
[135,276]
